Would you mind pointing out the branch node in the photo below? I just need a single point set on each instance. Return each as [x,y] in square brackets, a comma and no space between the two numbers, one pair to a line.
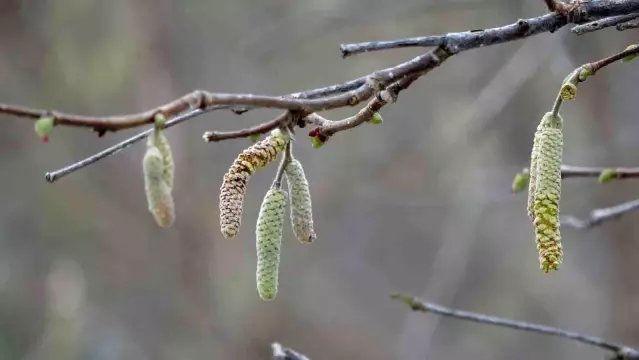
[523,26]
[375,83]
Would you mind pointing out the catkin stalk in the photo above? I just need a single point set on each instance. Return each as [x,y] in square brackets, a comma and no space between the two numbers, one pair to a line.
[547,191]
[158,194]
[270,224]
[236,179]
[300,199]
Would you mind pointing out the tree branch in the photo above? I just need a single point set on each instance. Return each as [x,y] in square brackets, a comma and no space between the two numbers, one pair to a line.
[213,136]
[461,41]
[599,216]
[598,65]
[349,93]
[52,176]
[569,171]
[621,351]
[603,23]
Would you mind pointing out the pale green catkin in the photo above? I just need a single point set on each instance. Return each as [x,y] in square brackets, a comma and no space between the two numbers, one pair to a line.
[237,177]
[547,191]
[160,141]
[532,172]
[158,194]
[301,205]
[270,224]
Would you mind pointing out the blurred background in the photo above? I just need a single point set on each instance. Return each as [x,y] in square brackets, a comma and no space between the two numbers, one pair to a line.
[420,204]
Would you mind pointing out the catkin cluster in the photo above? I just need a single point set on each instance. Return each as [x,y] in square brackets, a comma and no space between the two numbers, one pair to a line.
[270,224]
[545,190]
[301,206]
[236,179]
[158,179]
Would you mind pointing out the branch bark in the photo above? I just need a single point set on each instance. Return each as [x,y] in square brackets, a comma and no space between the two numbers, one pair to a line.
[599,216]
[620,351]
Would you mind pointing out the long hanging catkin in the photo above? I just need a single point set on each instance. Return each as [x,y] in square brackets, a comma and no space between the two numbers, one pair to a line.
[158,194]
[160,141]
[301,205]
[270,224]
[547,191]
[236,179]
[532,173]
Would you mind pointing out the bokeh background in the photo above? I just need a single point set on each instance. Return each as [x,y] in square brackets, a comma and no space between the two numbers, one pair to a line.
[420,204]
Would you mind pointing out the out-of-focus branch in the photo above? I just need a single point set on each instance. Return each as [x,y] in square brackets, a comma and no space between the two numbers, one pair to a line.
[520,183]
[603,23]
[282,353]
[620,351]
[599,216]
[569,171]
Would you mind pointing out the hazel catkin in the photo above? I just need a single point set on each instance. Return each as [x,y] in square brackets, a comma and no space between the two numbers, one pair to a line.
[270,224]
[158,194]
[160,141]
[300,201]
[237,177]
[532,173]
[547,191]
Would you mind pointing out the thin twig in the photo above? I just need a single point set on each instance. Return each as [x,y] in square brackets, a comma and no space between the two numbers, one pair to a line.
[598,65]
[520,183]
[203,99]
[599,216]
[628,26]
[603,23]
[416,304]
[568,90]
[282,353]
[570,171]
[460,41]
[383,98]
[52,176]
[316,119]
[213,136]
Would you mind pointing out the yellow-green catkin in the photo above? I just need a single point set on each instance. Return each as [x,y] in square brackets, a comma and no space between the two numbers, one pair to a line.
[547,191]
[237,177]
[160,141]
[301,205]
[270,225]
[532,172]
[158,194]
